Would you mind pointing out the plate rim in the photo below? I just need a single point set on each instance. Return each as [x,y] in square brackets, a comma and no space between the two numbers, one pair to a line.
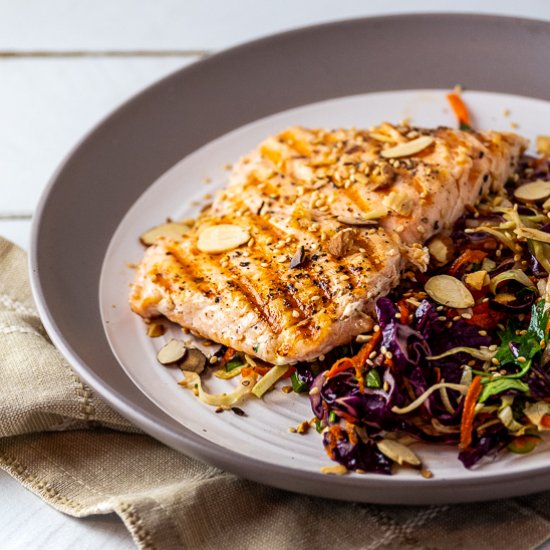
[195,445]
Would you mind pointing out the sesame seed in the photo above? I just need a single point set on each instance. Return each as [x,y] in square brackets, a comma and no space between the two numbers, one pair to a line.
[388,355]
[383,349]
[213,360]
[376,328]
[295,313]
[466,315]
[442,318]
[521,359]
[398,315]
[495,361]
[493,347]
[321,357]
[264,264]
[482,332]
[373,354]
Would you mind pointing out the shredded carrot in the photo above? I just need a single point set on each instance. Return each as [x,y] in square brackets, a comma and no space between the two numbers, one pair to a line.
[356,362]
[404,311]
[468,412]
[437,371]
[459,108]
[340,366]
[333,435]
[262,371]
[246,372]
[469,256]
[484,317]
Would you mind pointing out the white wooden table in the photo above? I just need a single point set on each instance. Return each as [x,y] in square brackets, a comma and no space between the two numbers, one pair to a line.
[65,64]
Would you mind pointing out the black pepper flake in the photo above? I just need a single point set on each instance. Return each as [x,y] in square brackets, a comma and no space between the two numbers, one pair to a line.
[244,264]
[238,411]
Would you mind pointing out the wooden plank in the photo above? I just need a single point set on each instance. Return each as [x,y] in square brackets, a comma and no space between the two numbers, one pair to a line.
[47,105]
[98,25]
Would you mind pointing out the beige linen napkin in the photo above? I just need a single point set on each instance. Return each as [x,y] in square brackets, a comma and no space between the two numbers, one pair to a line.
[61,441]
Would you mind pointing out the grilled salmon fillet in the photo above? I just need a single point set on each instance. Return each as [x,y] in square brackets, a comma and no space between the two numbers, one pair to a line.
[313,227]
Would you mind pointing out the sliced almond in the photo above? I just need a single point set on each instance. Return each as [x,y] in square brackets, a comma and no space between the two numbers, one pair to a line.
[171,230]
[348,220]
[543,145]
[409,148]
[476,280]
[533,191]
[398,452]
[341,243]
[400,201]
[194,361]
[375,214]
[172,352]
[440,249]
[155,329]
[449,291]
[221,238]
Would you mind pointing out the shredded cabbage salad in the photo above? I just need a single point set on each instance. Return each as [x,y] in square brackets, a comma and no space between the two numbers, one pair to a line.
[459,355]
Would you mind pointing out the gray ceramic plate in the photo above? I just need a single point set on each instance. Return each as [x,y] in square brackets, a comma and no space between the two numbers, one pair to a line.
[115,164]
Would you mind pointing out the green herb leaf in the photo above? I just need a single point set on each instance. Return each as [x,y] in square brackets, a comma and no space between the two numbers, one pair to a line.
[373,379]
[501,384]
[528,344]
[235,362]
[297,385]
[332,417]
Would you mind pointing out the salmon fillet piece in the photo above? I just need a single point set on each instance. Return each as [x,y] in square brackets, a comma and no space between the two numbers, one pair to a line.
[328,220]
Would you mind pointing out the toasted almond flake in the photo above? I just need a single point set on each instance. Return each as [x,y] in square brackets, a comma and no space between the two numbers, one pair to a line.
[533,191]
[398,452]
[543,145]
[172,230]
[221,238]
[173,351]
[409,148]
[476,280]
[155,329]
[194,361]
[449,291]
[440,249]
[341,243]
[338,470]
[349,220]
